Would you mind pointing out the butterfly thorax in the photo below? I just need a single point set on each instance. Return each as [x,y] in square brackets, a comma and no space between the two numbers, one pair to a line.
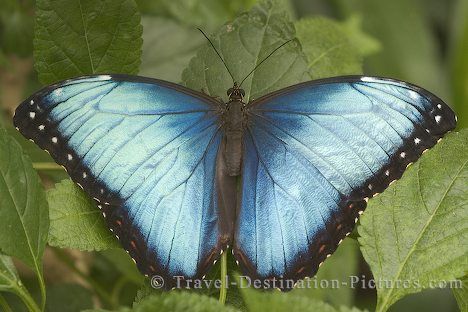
[234,130]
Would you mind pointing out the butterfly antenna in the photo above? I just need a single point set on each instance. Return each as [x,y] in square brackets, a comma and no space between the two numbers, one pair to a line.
[222,60]
[271,53]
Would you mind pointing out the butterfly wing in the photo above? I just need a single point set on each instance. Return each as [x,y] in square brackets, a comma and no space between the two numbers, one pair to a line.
[146,151]
[313,154]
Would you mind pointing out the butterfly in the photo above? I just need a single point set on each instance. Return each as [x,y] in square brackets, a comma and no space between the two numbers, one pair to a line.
[180,176]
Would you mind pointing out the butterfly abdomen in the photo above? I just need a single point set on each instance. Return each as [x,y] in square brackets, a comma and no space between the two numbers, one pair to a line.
[234,131]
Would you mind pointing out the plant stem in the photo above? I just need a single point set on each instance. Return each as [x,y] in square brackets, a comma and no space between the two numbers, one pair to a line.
[46,166]
[27,299]
[97,288]
[40,278]
[223,290]
[4,305]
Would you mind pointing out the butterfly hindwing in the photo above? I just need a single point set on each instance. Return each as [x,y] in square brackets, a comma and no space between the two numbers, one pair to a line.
[313,154]
[146,151]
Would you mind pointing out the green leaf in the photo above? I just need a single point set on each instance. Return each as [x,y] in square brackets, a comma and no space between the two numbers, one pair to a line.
[461,294]
[10,282]
[260,301]
[68,298]
[124,264]
[180,301]
[207,14]
[79,37]
[363,42]
[24,216]
[154,7]
[103,310]
[334,48]
[168,47]
[333,283]
[9,279]
[415,232]
[75,221]
[243,44]
[145,291]
[459,68]
[24,213]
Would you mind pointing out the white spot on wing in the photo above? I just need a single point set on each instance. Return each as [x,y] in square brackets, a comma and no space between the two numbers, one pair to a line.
[69,156]
[402,154]
[105,77]
[85,175]
[32,115]
[387,173]
[369,79]
[31,102]
[438,118]
[41,127]
[417,141]
[413,94]
[54,140]
[439,106]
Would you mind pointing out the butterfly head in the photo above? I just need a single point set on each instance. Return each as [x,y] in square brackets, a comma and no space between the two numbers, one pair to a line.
[235,93]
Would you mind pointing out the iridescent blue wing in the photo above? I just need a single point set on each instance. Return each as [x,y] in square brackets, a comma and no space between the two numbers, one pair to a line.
[313,154]
[145,150]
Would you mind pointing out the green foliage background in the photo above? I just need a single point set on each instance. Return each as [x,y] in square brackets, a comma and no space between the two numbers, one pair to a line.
[55,251]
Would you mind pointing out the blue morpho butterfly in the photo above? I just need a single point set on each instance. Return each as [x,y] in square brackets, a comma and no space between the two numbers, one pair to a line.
[162,162]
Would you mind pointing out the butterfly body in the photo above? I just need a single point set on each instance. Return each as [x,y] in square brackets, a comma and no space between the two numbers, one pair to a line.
[163,162]
[235,124]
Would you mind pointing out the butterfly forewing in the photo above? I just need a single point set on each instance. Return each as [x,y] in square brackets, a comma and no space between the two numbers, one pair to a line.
[145,150]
